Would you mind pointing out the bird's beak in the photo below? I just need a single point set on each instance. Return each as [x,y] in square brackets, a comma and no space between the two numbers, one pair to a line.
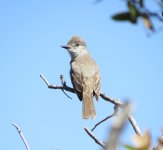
[65,46]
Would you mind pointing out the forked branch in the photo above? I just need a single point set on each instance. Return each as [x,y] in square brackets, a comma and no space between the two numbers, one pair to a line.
[116,102]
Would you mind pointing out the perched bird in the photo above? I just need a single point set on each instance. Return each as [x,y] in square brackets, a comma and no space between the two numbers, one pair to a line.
[85,76]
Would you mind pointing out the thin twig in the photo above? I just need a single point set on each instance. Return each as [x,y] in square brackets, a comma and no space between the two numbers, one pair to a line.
[94,138]
[45,80]
[134,125]
[153,14]
[63,84]
[108,117]
[22,136]
[50,86]
[103,96]
[111,100]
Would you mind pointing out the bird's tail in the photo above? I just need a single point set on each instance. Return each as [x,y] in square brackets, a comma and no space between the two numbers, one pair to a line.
[88,109]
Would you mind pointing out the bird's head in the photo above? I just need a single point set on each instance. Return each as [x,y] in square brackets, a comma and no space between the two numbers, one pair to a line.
[76,47]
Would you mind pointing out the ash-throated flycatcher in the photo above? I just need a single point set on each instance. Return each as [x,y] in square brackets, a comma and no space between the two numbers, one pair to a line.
[84,74]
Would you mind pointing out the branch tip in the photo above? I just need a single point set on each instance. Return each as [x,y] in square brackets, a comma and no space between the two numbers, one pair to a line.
[94,138]
[22,136]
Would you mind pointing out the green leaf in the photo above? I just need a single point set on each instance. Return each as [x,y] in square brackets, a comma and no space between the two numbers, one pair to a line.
[134,13]
[132,8]
[124,16]
[129,147]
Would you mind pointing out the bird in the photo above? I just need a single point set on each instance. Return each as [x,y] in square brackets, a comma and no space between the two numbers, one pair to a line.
[85,76]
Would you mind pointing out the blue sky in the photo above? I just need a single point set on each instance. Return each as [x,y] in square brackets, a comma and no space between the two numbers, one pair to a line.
[31,32]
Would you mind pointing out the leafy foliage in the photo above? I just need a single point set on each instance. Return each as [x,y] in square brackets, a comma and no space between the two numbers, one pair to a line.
[137,10]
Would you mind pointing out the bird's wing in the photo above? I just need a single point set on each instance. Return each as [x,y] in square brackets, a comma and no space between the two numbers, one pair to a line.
[77,83]
[97,84]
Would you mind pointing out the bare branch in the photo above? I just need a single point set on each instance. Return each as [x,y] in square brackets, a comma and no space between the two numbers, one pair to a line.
[64,83]
[22,136]
[134,125]
[61,87]
[130,118]
[116,102]
[108,117]
[45,80]
[111,100]
[94,138]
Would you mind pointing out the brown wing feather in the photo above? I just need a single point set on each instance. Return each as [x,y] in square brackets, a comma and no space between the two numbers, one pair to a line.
[77,84]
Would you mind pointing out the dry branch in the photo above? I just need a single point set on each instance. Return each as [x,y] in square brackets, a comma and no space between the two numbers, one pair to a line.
[94,138]
[116,102]
[22,136]
[108,117]
[61,87]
